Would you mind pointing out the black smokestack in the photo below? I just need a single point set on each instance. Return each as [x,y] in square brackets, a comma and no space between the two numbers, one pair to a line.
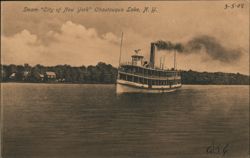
[212,47]
[152,55]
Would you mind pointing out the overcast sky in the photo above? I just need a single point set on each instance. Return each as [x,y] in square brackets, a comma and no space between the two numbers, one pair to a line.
[86,38]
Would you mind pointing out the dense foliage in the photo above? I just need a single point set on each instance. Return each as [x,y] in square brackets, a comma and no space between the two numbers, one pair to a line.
[101,73]
[194,77]
[106,73]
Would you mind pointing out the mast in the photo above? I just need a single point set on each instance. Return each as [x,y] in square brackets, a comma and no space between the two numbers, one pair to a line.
[160,62]
[120,49]
[174,65]
[163,64]
[174,59]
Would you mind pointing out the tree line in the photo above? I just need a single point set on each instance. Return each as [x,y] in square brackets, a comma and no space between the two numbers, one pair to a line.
[106,73]
[217,78]
[101,73]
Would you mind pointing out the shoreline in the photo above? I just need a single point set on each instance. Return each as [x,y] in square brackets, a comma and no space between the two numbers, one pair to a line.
[54,83]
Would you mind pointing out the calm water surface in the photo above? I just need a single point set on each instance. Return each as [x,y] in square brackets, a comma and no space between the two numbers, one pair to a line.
[78,121]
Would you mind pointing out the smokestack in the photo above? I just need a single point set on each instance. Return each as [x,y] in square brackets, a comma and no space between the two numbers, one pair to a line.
[152,55]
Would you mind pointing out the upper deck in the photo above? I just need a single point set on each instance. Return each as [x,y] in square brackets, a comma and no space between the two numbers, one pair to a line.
[139,67]
[139,70]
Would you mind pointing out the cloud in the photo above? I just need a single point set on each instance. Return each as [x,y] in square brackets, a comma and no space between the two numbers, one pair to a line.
[21,48]
[111,37]
[76,30]
[73,44]
[77,45]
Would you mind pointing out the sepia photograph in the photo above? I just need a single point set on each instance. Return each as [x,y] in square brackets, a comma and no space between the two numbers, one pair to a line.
[125,79]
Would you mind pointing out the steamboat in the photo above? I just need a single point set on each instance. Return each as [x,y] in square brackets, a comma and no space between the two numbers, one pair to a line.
[141,76]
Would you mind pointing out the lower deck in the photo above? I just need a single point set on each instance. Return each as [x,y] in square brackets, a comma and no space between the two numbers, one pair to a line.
[149,82]
[131,87]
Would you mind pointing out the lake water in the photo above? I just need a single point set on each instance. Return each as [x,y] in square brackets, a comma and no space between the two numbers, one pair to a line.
[78,121]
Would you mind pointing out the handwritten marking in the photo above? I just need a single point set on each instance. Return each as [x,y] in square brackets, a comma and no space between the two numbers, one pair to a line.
[85,9]
[148,10]
[234,6]
[88,9]
[218,149]
[27,9]
[47,9]
[133,9]
[68,10]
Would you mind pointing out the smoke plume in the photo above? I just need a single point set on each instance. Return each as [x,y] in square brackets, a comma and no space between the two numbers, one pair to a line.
[212,48]
[162,45]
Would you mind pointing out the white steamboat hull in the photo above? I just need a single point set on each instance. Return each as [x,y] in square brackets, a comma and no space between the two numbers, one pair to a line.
[131,87]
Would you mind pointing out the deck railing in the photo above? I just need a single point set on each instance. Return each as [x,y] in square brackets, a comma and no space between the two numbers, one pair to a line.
[153,77]
[124,64]
[150,73]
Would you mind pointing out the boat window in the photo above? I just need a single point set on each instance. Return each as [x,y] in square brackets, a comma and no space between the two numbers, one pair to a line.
[135,79]
[129,78]
[122,76]
[140,80]
[134,69]
[156,73]
[161,73]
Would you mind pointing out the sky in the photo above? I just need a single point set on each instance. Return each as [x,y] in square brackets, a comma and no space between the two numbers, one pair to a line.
[88,37]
